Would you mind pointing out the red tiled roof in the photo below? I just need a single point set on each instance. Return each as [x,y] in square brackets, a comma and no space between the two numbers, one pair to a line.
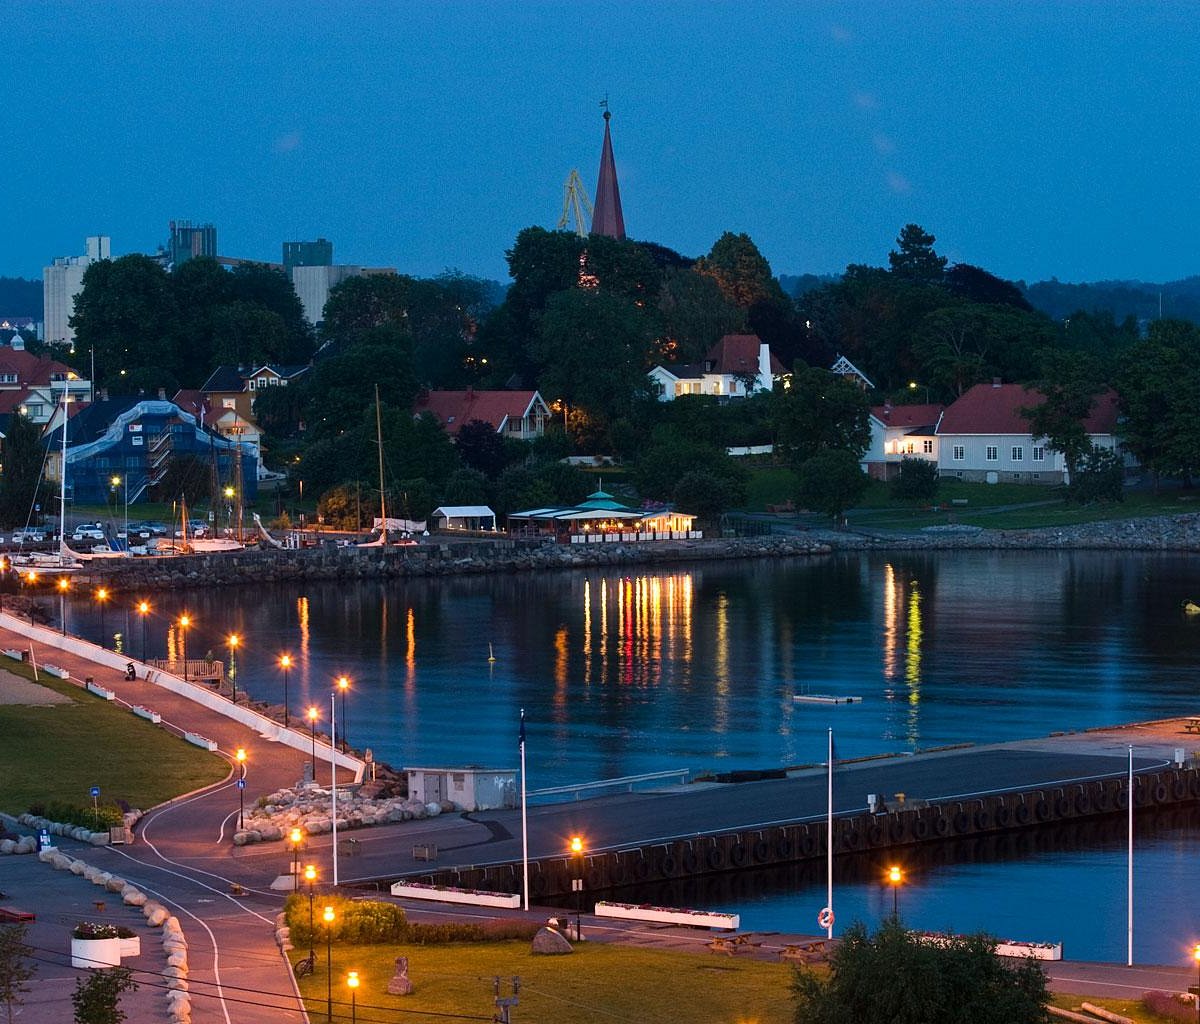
[907,415]
[996,409]
[738,353]
[30,369]
[195,401]
[454,408]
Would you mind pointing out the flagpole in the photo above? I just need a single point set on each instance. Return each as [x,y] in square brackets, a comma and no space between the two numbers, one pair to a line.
[333,779]
[524,821]
[829,839]
[1129,952]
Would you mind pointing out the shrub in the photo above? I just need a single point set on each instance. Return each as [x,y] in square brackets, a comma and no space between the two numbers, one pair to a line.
[918,480]
[486,931]
[92,930]
[1169,1006]
[358,922]
[105,816]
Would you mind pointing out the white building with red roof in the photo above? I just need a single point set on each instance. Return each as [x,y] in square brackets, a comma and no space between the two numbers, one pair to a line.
[984,436]
[899,432]
[736,366]
[522,415]
[33,385]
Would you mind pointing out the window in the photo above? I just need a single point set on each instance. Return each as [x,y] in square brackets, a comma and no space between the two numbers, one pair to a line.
[35,409]
[1018,453]
[1039,454]
[136,440]
[992,453]
[909,448]
[8,378]
[733,387]
[927,446]
[249,385]
[135,428]
[274,380]
[959,453]
[228,403]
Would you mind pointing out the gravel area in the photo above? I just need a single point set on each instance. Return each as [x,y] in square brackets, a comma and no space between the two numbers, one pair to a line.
[15,690]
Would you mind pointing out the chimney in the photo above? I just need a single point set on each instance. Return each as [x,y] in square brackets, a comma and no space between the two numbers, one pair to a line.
[887,409]
[104,394]
[995,382]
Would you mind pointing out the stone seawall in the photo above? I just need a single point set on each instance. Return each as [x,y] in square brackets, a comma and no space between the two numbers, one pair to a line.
[430,559]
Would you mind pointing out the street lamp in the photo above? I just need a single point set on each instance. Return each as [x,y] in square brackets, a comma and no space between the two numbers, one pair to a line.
[312,728]
[296,836]
[895,877]
[310,876]
[241,785]
[234,640]
[285,663]
[1196,957]
[328,915]
[576,848]
[229,492]
[143,608]
[352,982]
[913,385]
[343,684]
[116,482]
[63,586]
[184,622]
[101,597]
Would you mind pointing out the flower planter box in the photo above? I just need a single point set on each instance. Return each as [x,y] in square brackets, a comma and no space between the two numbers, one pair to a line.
[668,915]
[102,692]
[1004,947]
[96,952]
[131,946]
[15,655]
[146,713]
[448,894]
[200,741]
[54,670]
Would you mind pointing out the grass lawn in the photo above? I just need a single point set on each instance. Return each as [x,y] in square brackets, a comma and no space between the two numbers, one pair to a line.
[597,984]
[59,751]
[1131,1008]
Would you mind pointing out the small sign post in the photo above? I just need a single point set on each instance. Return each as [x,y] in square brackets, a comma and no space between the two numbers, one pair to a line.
[96,805]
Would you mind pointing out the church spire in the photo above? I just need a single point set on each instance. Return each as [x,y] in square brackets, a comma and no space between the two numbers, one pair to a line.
[608,219]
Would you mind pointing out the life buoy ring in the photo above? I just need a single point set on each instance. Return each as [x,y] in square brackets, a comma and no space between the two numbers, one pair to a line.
[1022,813]
[783,848]
[1003,816]
[715,858]
[941,825]
[825,918]
[762,851]
[1179,787]
[1042,810]
[1083,802]
[738,855]
[962,822]
[921,828]
[690,862]
[667,866]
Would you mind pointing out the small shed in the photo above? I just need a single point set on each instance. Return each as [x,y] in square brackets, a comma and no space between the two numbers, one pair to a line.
[464,517]
[471,788]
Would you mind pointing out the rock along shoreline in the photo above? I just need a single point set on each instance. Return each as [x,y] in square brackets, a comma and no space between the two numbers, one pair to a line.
[442,557]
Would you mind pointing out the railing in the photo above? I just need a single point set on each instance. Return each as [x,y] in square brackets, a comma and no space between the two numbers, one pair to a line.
[627,782]
[197,668]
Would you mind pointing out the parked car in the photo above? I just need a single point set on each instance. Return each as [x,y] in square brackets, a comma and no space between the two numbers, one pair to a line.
[88,532]
[29,537]
[155,529]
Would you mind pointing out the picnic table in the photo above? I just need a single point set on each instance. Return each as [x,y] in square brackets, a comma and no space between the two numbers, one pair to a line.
[805,952]
[730,944]
[1192,724]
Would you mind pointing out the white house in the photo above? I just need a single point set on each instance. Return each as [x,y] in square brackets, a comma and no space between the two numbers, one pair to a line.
[899,432]
[984,437]
[736,366]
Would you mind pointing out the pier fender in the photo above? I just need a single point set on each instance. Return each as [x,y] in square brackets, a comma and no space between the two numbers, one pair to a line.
[668,866]
[983,819]
[762,851]
[808,843]
[714,857]
[618,870]
[875,835]
[537,884]
[690,861]
[738,855]
[1083,801]
[1122,799]
[962,823]
[1041,809]
[897,828]
[1179,788]
[1103,799]
[784,847]
[941,824]
[921,828]
[1003,814]
[1160,792]
[1062,806]
[641,867]
[1022,813]
[1194,783]
[852,838]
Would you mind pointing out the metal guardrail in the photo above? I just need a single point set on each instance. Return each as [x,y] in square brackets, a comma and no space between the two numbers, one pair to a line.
[627,782]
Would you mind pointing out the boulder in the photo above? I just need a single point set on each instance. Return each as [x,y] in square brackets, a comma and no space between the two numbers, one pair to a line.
[98,838]
[77,867]
[132,897]
[155,915]
[548,942]
[7,846]
[114,884]
[26,844]
[177,958]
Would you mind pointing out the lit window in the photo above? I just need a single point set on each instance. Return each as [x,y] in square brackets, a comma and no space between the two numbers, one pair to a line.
[910,449]
[960,453]
[992,453]
[228,403]
[1018,453]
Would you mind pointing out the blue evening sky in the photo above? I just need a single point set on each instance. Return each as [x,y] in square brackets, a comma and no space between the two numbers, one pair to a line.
[1035,139]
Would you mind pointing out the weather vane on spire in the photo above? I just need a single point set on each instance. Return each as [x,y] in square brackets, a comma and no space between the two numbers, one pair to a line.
[604,107]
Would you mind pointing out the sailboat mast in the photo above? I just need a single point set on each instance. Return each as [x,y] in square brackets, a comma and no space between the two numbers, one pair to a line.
[62,499]
[379,444]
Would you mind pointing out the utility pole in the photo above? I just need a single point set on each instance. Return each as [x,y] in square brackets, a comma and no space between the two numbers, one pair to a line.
[505,1003]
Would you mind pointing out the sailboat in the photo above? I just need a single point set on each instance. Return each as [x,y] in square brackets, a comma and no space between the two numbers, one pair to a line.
[192,545]
[381,540]
[62,559]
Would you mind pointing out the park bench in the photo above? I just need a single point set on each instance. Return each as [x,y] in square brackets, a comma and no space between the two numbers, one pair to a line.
[1191,724]
[14,914]
[730,944]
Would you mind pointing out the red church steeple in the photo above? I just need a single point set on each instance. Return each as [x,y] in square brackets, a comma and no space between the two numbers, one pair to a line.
[607,218]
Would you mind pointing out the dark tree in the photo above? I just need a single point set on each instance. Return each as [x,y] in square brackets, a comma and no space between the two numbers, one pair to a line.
[466,487]
[481,448]
[16,967]
[22,471]
[831,482]
[976,285]
[97,997]
[892,977]
[1070,390]
[914,258]
[819,411]
[740,270]
[360,303]
[917,481]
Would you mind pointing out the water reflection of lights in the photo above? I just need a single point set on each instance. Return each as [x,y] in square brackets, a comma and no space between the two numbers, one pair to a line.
[889,621]
[897,604]
[912,660]
[410,654]
[561,657]
[721,664]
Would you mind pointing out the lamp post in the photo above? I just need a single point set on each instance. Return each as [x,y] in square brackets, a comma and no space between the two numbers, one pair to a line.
[576,848]
[143,608]
[285,663]
[913,385]
[184,621]
[229,493]
[123,483]
[1196,957]
[312,728]
[895,877]
[101,597]
[328,916]
[296,836]
[310,876]
[343,685]
[352,982]
[241,760]
[63,586]
[234,640]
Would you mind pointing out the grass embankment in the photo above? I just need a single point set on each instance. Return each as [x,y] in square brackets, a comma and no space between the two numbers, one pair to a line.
[597,984]
[1131,1008]
[59,751]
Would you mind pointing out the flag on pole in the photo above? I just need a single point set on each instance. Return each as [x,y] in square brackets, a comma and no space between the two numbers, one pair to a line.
[521,736]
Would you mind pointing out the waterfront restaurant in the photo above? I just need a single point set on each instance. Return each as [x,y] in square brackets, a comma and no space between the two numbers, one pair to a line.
[601,518]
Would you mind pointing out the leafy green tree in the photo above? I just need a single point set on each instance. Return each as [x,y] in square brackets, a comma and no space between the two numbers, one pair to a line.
[831,482]
[892,977]
[1070,389]
[818,412]
[444,315]
[519,488]
[695,315]
[914,257]
[568,484]
[1099,476]
[270,289]
[740,270]
[917,480]
[362,303]
[974,284]
[481,448]
[707,495]
[246,334]
[411,499]
[342,507]
[466,486]
[673,454]
[97,997]
[22,471]
[16,968]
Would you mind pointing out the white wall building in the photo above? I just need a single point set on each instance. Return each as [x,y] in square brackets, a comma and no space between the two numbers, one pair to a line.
[736,366]
[62,281]
[313,284]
